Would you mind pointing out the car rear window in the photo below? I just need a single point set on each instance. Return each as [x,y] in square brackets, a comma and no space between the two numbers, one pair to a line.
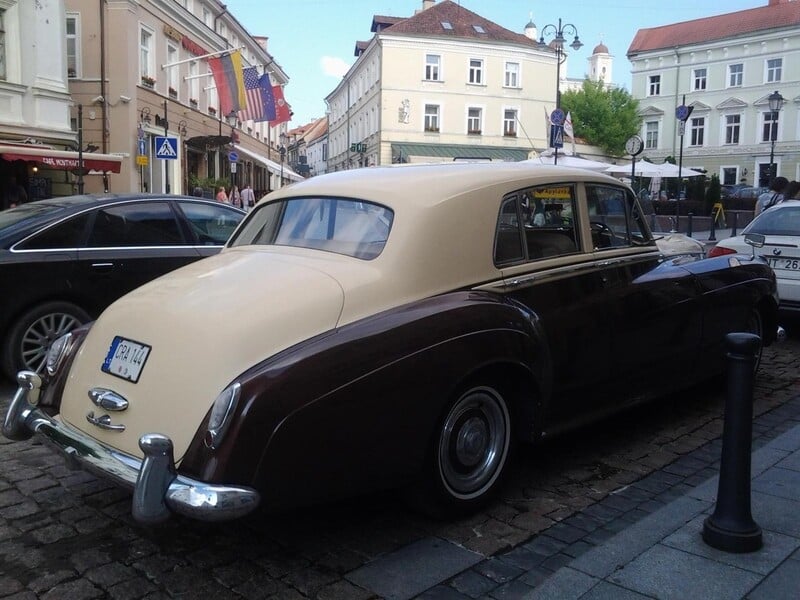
[341,225]
[781,220]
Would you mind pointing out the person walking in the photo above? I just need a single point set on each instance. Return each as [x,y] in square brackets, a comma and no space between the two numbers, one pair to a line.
[772,196]
[248,198]
[221,195]
[13,193]
[235,197]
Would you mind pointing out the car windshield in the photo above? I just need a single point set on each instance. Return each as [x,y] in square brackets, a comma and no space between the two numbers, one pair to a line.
[340,225]
[781,220]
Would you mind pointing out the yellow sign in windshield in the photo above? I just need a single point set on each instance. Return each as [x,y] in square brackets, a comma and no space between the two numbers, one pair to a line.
[554,192]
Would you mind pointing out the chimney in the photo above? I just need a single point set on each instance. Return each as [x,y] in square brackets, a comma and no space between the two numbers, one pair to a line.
[426,4]
[261,41]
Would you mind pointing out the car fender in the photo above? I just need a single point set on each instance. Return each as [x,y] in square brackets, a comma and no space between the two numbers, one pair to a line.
[371,394]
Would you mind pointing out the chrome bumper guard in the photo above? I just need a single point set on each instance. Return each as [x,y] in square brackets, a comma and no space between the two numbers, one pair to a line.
[158,490]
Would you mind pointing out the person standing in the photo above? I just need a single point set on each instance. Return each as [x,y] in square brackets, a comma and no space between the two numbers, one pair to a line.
[235,197]
[221,195]
[13,193]
[248,198]
[772,196]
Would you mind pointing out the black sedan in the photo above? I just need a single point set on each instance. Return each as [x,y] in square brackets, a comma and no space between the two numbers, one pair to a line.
[64,260]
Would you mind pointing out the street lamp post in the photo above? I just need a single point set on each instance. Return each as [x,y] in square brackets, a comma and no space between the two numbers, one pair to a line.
[231,118]
[558,32]
[775,105]
[282,150]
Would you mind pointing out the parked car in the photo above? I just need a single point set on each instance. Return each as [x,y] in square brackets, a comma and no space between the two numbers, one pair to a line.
[63,260]
[396,327]
[780,226]
[749,192]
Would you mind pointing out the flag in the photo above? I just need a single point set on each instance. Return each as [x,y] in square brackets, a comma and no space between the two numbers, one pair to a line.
[282,112]
[260,103]
[568,127]
[569,131]
[547,124]
[229,79]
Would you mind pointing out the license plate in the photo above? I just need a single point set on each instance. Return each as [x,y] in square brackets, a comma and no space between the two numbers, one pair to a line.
[126,359]
[786,264]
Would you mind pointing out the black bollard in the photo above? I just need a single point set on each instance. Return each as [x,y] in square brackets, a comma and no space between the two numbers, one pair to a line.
[689,226]
[712,236]
[734,219]
[731,528]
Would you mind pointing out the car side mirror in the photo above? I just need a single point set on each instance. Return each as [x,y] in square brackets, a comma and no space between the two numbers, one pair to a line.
[756,240]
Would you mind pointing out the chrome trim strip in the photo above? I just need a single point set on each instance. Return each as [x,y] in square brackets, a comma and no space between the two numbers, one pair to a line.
[544,275]
[158,489]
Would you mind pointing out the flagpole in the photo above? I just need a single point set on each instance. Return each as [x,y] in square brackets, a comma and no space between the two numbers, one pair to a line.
[210,54]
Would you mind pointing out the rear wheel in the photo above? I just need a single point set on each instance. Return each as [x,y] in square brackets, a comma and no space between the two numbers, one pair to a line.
[755,326]
[31,336]
[469,453]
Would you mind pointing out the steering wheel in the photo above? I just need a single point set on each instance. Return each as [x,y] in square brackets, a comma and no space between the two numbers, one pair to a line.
[603,231]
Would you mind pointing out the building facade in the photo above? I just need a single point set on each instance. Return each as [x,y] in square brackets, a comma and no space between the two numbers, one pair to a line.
[442,84]
[723,69]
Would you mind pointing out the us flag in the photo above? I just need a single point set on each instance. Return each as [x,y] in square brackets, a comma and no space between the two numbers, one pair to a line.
[259,96]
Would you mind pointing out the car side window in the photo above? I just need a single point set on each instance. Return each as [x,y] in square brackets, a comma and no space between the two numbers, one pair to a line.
[614,217]
[70,233]
[136,224]
[212,224]
[536,223]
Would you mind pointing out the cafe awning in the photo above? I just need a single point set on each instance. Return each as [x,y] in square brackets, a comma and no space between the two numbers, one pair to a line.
[411,152]
[271,164]
[62,159]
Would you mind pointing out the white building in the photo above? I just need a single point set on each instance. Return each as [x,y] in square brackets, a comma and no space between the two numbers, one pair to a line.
[442,84]
[724,68]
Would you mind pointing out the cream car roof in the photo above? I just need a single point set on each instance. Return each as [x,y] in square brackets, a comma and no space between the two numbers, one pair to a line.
[445,217]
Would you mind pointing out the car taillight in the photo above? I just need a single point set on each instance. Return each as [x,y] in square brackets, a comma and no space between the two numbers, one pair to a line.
[720,251]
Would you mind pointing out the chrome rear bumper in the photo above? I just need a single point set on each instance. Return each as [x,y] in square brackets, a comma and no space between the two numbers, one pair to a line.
[157,488]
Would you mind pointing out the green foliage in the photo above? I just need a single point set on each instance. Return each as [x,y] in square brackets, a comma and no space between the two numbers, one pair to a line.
[208,183]
[603,117]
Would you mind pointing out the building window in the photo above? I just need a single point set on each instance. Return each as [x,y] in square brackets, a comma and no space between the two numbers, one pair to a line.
[512,75]
[173,72]
[729,175]
[510,122]
[476,71]
[735,75]
[774,70]
[698,128]
[769,131]
[208,18]
[654,86]
[733,124]
[194,84]
[651,135]
[474,120]
[699,79]
[432,66]
[146,68]
[73,42]
[431,117]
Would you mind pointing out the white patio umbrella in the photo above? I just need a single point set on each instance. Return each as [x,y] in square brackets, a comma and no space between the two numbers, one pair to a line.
[647,169]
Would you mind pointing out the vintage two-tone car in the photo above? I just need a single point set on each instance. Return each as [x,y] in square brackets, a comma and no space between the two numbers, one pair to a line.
[394,327]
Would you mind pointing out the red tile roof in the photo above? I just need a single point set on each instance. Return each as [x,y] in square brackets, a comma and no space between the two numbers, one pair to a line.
[429,23]
[775,16]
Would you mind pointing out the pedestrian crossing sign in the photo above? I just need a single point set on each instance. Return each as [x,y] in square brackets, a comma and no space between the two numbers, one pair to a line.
[556,136]
[166,147]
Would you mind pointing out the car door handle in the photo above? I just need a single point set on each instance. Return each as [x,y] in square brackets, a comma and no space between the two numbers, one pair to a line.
[103,422]
[103,266]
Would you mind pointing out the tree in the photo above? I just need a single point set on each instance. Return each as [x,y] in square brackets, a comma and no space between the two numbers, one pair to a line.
[603,117]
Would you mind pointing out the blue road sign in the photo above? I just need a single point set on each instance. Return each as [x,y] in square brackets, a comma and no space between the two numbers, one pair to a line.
[166,147]
[233,157]
[556,136]
[557,117]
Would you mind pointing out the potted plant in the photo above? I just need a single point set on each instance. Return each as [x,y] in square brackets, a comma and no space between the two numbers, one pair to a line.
[193,102]
[148,81]
[212,110]
[173,93]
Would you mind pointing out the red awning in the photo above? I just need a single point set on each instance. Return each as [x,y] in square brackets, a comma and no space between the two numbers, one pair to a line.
[63,159]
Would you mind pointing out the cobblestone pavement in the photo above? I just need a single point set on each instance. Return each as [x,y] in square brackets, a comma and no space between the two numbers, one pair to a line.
[66,534]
